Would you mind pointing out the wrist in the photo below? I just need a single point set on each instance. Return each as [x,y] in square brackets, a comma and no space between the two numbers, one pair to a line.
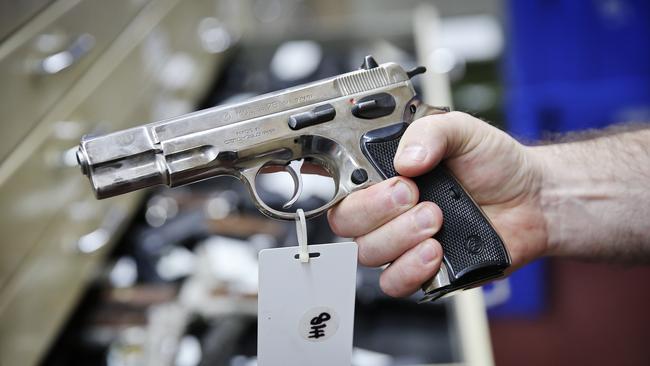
[586,200]
[551,197]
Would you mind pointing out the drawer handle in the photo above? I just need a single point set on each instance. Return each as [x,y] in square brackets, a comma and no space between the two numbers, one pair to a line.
[93,241]
[55,63]
[98,238]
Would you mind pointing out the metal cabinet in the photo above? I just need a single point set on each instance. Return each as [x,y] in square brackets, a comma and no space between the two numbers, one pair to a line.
[55,234]
[42,60]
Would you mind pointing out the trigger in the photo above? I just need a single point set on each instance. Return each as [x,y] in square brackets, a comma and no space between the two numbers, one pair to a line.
[294,170]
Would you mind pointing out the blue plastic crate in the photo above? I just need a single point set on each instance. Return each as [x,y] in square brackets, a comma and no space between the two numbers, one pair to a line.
[571,65]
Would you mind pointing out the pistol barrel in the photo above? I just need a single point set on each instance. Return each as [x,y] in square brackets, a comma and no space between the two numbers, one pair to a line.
[121,162]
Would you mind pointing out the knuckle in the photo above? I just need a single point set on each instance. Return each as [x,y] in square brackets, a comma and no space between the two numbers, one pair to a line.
[363,254]
[365,211]
[377,195]
[456,115]
[373,252]
[420,123]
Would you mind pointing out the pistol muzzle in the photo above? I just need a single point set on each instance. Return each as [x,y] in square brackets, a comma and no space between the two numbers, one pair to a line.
[82,161]
[121,162]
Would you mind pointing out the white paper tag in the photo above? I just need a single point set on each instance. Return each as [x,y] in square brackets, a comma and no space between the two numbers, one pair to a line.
[306,310]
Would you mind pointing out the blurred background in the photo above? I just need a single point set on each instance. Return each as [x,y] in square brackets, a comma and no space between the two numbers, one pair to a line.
[169,276]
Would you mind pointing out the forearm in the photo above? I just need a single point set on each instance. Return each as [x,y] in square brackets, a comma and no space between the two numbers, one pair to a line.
[595,196]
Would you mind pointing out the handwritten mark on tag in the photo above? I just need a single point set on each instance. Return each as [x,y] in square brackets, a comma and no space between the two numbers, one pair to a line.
[318,324]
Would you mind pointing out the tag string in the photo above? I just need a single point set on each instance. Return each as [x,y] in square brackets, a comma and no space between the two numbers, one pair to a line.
[301,231]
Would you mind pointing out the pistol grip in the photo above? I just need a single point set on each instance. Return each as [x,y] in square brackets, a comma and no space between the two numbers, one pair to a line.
[473,252]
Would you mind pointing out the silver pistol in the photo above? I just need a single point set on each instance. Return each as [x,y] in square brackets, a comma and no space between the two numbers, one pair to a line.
[350,125]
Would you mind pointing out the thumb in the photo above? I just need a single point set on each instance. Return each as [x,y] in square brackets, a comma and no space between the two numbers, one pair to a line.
[429,140]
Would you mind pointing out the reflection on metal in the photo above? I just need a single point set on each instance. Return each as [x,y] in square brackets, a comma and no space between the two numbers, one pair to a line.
[440,280]
[294,171]
[98,238]
[93,241]
[54,64]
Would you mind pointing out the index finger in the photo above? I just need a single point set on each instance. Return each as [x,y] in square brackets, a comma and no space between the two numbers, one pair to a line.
[369,208]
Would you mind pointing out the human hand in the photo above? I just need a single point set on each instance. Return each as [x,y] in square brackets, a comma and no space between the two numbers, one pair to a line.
[390,226]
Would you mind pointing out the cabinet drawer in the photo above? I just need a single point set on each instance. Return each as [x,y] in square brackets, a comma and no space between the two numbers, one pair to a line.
[41,177]
[37,190]
[36,303]
[43,59]
[50,217]
[166,73]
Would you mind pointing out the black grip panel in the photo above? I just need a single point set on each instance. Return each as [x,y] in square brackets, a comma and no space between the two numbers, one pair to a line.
[472,250]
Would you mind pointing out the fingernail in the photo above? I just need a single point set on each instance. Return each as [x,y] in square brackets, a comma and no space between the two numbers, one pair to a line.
[401,194]
[414,153]
[427,253]
[424,218]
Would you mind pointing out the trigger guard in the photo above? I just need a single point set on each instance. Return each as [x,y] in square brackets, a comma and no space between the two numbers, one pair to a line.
[248,178]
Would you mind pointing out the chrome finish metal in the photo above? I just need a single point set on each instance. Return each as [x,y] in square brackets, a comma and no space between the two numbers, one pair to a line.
[440,280]
[55,63]
[422,109]
[294,171]
[240,139]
